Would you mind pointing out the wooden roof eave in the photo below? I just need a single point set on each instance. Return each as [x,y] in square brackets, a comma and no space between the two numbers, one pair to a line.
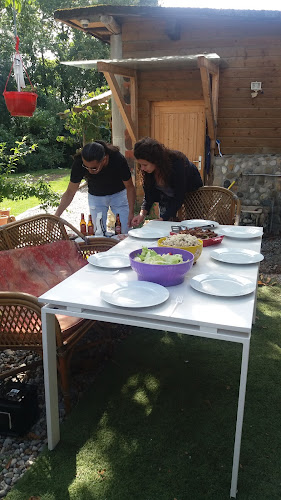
[210,93]
[129,68]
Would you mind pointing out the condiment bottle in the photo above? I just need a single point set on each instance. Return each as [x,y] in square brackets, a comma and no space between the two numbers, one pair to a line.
[117,225]
[90,226]
[83,226]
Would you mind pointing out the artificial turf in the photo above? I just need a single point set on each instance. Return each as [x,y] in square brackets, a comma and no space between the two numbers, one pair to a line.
[158,423]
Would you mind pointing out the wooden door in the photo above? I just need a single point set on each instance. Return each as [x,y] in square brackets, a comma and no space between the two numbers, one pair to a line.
[181,125]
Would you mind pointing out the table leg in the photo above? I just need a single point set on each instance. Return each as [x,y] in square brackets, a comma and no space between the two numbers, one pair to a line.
[50,378]
[255,305]
[239,420]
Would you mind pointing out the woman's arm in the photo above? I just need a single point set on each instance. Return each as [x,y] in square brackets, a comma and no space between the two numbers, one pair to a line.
[131,195]
[184,179]
[67,197]
[150,196]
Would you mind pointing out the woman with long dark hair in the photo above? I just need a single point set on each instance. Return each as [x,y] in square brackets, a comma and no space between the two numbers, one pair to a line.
[109,183]
[167,176]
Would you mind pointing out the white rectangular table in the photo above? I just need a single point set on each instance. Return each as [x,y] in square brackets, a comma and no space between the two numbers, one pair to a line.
[224,318]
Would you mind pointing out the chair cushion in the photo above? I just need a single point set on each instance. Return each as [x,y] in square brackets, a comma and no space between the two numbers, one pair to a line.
[36,269]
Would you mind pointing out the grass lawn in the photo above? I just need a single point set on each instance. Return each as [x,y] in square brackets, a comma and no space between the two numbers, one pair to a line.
[57,178]
[159,421]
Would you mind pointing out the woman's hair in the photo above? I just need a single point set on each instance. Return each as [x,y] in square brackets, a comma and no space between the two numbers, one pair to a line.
[97,150]
[154,152]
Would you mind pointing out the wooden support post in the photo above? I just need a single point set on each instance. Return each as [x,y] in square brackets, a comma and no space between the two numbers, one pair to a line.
[118,126]
[208,101]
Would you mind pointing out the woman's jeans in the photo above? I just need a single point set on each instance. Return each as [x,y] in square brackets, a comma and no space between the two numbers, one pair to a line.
[118,202]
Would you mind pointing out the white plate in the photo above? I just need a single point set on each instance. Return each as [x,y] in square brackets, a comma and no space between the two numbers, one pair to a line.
[148,233]
[222,285]
[111,260]
[134,294]
[243,232]
[198,223]
[236,256]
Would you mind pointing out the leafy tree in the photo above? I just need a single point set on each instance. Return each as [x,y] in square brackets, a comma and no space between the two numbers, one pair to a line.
[44,43]
[92,122]
[23,187]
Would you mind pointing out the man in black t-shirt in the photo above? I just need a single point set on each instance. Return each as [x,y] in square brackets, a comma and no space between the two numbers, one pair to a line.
[109,183]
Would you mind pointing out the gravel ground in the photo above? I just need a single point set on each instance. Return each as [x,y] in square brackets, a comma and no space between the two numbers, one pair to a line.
[19,453]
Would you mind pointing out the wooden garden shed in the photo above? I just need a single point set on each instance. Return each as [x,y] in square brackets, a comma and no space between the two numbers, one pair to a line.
[191,73]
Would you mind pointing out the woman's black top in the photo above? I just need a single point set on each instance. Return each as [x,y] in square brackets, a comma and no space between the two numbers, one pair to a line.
[184,178]
[109,180]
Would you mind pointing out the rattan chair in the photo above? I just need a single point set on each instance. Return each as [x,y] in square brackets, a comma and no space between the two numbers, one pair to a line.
[211,203]
[20,313]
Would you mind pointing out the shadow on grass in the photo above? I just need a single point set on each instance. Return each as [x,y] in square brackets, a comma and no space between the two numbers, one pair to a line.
[159,422]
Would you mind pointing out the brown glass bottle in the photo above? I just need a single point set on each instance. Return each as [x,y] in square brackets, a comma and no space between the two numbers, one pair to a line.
[117,225]
[90,226]
[83,225]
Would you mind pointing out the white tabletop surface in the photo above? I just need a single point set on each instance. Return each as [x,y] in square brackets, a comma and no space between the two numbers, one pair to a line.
[81,291]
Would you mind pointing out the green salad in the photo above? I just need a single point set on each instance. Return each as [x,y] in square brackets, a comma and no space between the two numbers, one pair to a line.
[149,256]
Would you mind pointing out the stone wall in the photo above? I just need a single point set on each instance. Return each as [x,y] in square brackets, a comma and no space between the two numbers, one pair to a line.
[258,185]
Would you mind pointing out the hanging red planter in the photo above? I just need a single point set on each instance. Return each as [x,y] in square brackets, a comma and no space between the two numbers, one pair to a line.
[20,103]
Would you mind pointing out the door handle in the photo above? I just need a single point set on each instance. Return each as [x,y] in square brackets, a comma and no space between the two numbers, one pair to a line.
[199,161]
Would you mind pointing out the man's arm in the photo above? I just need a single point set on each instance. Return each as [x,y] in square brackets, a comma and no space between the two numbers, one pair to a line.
[67,197]
[131,195]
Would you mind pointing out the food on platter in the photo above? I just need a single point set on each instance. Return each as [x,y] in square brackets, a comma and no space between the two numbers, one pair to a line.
[199,233]
[149,256]
[208,236]
[180,240]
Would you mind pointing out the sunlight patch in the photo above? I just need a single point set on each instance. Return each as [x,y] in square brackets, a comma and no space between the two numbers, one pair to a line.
[276,349]
[167,339]
[151,383]
[133,381]
[140,397]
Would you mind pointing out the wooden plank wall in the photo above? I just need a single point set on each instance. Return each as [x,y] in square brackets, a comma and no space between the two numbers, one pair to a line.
[250,50]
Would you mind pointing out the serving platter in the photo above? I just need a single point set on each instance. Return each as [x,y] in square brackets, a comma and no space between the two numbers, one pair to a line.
[222,285]
[199,223]
[109,260]
[134,294]
[237,256]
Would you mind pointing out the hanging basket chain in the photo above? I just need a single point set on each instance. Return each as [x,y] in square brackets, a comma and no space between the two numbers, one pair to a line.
[17,51]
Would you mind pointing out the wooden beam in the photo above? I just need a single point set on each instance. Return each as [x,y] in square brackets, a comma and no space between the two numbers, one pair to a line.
[215,98]
[202,62]
[205,78]
[116,92]
[110,23]
[116,69]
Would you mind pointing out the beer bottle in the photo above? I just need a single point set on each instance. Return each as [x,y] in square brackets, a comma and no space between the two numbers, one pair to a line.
[117,225]
[90,226]
[83,226]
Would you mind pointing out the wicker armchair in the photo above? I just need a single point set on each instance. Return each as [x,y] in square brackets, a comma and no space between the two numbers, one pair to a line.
[20,313]
[211,203]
